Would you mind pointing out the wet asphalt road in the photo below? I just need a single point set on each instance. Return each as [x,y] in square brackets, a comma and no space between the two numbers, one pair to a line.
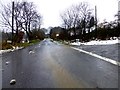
[51,65]
[109,51]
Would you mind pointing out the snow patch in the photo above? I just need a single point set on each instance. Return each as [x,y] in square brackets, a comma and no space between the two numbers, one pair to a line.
[10,50]
[75,43]
[31,52]
[12,82]
[100,42]
[7,62]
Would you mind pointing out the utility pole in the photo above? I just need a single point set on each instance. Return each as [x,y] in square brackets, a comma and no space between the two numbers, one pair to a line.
[119,17]
[119,11]
[12,21]
[96,20]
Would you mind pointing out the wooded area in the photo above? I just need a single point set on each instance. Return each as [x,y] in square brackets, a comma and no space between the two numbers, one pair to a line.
[79,22]
[26,21]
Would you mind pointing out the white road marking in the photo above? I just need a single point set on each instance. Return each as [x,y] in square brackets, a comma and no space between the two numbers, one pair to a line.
[98,56]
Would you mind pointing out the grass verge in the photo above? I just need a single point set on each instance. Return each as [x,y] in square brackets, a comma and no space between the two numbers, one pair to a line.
[6,45]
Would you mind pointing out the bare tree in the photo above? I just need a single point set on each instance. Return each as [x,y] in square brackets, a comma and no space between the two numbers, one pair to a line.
[29,16]
[70,18]
[37,21]
[18,17]
[6,14]
[67,19]
[85,13]
[24,15]
[77,16]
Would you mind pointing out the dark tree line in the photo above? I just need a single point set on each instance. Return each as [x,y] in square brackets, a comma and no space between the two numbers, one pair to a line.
[58,33]
[26,18]
[105,30]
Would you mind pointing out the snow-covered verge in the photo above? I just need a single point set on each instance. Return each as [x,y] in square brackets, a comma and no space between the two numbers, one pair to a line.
[100,42]
[10,50]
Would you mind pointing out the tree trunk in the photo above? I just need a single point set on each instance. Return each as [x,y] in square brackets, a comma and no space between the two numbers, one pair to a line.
[29,28]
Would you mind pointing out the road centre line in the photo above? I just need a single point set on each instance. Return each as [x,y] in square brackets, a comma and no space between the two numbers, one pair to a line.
[98,56]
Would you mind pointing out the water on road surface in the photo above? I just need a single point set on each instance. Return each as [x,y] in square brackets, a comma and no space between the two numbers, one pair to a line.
[52,65]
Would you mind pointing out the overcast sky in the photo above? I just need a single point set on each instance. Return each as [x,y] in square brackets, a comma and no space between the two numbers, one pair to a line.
[51,9]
